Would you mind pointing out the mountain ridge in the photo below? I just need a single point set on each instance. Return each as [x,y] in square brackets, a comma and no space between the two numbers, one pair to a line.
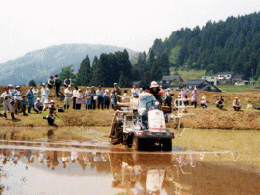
[42,63]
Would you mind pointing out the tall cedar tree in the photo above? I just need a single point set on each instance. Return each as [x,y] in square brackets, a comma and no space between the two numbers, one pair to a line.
[84,73]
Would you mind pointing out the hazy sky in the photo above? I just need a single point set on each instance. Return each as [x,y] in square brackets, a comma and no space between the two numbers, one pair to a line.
[28,25]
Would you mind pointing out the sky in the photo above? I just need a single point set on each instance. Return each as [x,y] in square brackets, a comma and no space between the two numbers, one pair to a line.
[30,25]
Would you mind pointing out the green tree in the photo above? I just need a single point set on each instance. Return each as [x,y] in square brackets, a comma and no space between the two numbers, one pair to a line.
[32,83]
[84,73]
[67,72]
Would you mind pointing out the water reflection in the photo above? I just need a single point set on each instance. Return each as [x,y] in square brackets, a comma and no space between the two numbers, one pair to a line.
[45,168]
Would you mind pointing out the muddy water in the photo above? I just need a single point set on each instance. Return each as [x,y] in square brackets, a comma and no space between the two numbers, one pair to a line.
[56,167]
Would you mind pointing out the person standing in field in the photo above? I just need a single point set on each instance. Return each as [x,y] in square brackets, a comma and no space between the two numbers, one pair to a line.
[100,97]
[67,99]
[88,99]
[29,95]
[44,93]
[106,99]
[57,82]
[74,96]
[35,93]
[112,98]
[11,92]
[7,104]
[51,83]
[184,94]
[24,105]
[18,99]
[117,92]
[236,104]
[168,98]
[67,82]
[134,91]
[194,97]
[79,99]
[93,98]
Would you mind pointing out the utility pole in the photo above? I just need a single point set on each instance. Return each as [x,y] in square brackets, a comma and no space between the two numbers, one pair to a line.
[252,75]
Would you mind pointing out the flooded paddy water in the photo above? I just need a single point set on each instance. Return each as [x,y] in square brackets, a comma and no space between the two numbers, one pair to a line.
[59,166]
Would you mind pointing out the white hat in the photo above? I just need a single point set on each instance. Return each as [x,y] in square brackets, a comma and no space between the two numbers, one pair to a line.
[154,84]
[168,89]
[17,86]
[115,83]
[52,101]
[107,90]
[46,102]
[69,85]
[203,97]
[195,88]
[43,84]
[236,97]
[38,99]
[10,85]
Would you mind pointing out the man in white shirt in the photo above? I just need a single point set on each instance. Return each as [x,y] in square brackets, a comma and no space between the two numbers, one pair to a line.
[134,91]
[18,99]
[68,96]
[44,93]
[100,95]
[6,103]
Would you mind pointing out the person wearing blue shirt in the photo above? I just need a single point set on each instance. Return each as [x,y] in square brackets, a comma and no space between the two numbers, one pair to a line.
[144,98]
[29,95]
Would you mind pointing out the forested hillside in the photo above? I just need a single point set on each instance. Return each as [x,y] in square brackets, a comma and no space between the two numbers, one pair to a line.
[231,45]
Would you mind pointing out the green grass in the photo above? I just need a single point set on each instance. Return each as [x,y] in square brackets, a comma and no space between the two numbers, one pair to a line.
[187,75]
[237,88]
[246,143]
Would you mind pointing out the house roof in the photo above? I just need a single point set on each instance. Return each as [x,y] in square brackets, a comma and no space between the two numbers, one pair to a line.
[221,73]
[137,82]
[196,82]
[238,76]
[171,78]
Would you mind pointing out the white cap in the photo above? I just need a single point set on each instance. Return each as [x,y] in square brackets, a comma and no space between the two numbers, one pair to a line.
[17,86]
[236,97]
[52,101]
[10,85]
[43,84]
[168,89]
[38,99]
[107,90]
[115,83]
[69,85]
[154,84]
[46,102]
[203,97]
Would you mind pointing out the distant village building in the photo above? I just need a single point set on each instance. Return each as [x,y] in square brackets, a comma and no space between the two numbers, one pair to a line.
[225,77]
[201,85]
[239,78]
[211,79]
[168,81]
[139,84]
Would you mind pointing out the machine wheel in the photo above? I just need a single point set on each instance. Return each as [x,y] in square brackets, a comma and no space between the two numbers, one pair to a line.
[137,143]
[128,140]
[166,144]
[117,135]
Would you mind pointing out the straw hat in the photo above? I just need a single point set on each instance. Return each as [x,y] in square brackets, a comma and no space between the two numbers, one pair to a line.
[46,102]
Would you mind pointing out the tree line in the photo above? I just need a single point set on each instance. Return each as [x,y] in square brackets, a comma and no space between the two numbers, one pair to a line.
[116,67]
[231,45]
